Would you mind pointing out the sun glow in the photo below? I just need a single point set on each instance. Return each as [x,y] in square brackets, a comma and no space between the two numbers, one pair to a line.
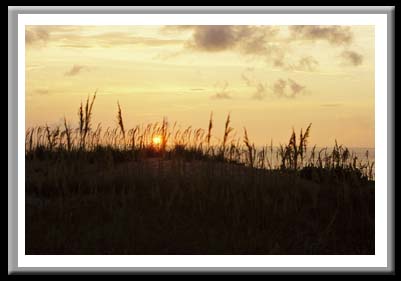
[157,140]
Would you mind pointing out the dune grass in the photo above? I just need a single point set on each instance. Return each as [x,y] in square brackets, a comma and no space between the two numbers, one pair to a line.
[116,191]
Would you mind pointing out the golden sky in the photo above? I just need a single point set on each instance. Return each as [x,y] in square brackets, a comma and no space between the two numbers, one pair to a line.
[271,78]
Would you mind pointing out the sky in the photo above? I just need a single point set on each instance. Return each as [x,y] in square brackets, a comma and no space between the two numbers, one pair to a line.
[271,79]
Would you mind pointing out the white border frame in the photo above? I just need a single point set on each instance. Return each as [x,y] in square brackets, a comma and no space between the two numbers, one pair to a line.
[377,260]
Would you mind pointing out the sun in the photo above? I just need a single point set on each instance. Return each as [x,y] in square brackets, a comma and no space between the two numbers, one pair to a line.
[157,140]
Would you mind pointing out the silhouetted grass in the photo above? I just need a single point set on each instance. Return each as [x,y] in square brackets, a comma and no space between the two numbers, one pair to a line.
[117,192]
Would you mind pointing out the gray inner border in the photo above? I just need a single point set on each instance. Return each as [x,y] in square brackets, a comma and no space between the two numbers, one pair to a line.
[13,12]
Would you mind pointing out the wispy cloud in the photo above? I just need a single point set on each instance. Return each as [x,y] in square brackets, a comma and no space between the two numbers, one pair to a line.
[37,36]
[221,95]
[296,88]
[351,58]
[272,44]
[260,91]
[308,63]
[41,91]
[246,78]
[335,35]
[111,39]
[287,88]
[30,67]
[260,88]
[76,37]
[75,70]
[222,92]
[279,87]
[331,105]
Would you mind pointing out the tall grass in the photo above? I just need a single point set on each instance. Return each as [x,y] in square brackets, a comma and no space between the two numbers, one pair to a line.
[192,143]
[85,116]
[121,123]
[251,150]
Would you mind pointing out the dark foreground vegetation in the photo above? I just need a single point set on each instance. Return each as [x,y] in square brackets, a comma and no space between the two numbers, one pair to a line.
[159,190]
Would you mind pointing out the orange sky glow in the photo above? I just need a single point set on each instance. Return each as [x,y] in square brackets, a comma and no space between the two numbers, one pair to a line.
[270,78]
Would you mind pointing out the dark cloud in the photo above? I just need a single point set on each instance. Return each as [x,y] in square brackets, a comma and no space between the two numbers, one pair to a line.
[256,41]
[75,70]
[287,88]
[335,35]
[251,41]
[221,92]
[245,39]
[213,38]
[352,58]
[264,41]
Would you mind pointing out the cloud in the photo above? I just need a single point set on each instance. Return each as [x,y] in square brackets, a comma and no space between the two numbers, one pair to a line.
[31,67]
[82,46]
[247,80]
[287,88]
[78,37]
[306,64]
[36,36]
[296,88]
[75,70]
[249,40]
[331,105]
[221,92]
[352,58]
[41,91]
[260,91]
[279,62]
[279,87]
[213,38]
[257,42]
[165,55]
[335,35]
[174,29]
[264,42]
[110,39]
[221,95]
